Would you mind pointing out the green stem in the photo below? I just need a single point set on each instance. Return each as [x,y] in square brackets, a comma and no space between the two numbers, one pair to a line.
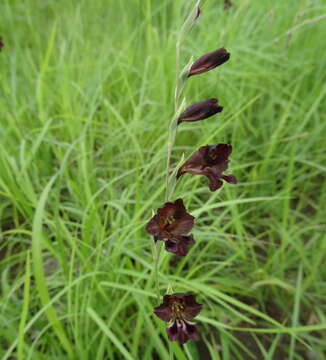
[156,254]
[181,79]
[171,356]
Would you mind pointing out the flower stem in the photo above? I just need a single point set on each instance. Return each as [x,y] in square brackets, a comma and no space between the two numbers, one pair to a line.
[156,255]
[171,356]
[181,78]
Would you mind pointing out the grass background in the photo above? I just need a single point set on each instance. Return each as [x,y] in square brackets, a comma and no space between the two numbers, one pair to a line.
[86,98]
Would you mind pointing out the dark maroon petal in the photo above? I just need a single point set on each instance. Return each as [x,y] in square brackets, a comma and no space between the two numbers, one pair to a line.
[163,312]
[215,184]
[191,311]
[189,239]
[216,154]
[179,244]
[209,61]
[172,331]
[191,330]
[214,181]
[182,226]
[178,247]
[195,164]
[219,168]
[177,332]
[174,209]
[167,210]
[200,110]
[179,209]
[182,331]
[229,178]
[153,227]
[192,308]
[1,44]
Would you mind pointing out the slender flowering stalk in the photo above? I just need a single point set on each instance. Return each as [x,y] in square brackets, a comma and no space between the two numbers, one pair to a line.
[181,78]
[177,245]
[172,223]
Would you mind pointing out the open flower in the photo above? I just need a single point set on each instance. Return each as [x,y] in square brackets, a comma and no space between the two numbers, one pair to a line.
[172,224]
[200,110]
[178,309]
[211,161]
[209,61]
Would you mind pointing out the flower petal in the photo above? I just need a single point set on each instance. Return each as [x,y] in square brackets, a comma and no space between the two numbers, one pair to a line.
[163,312]
[192,311]
[230,178]
[218,153]
[153,227]
[195,164]
[214,181]
[178,247]
[182,226]
[191,330]
[179,209]
[182,331]
[167,210]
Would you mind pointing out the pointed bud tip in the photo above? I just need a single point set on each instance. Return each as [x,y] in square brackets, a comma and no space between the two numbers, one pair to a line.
[198,12]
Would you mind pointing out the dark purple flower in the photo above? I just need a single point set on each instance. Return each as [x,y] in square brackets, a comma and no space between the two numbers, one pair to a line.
[172,224]
[209,61]
[200,110]
[1,44]
[211,161]
[178,309]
